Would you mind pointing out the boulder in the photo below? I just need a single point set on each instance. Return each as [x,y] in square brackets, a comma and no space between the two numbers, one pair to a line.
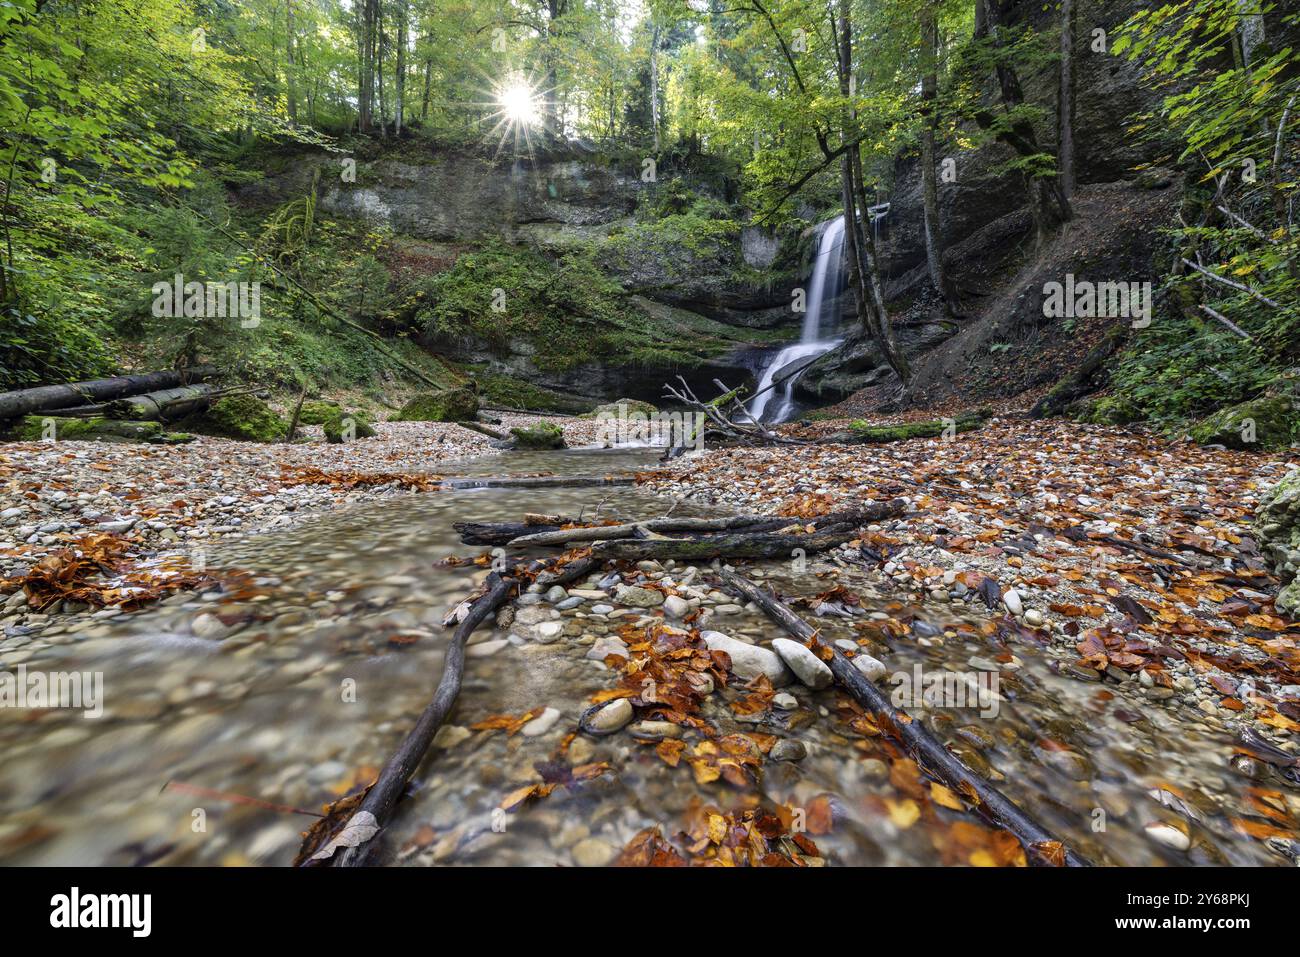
[244,417]
[339,424]
[1277,524]
[447,405]
[1271,422]
[543,435]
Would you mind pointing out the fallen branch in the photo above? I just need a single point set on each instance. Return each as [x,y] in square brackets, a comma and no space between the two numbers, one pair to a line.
[541,481]
[907,430]
[1224,320]
[50,397]
[350,847]
[871,512]
[1232,283]
[482,429]
[729,546]
[1040,846]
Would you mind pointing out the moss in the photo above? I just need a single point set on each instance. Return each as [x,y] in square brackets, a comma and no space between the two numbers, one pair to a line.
[243,417]
[1108,410]
[318,411]
[543,435]
[1277,529]
[915,430]
[512,393]
[91,429]
[1268,423]
[337,426]
[449,405]
[612,408]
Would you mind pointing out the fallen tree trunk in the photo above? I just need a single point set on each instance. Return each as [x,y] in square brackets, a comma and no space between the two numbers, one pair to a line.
[50,397]
[542,481]
[735,545]
[907,430]
[873,511]
[482,429]
[1040,846]
[1079,382]
[351,846]
[166,404]
[40,428]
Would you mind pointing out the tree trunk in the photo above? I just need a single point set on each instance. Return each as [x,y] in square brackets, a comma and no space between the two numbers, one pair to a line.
[654,85]
[934,244]
[1065,106]
[50,397]
[403,14]
[291,80]
[868,289]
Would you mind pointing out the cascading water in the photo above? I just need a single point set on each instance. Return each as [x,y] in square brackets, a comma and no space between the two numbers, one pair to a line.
[775,404]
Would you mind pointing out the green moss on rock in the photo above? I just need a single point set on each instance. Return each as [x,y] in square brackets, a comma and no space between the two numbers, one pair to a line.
[340,423]
[318,411]
[243,417]
[612,409]
[1277,526]
[543,435]
[1107,410]
[1267,423]
[448,405]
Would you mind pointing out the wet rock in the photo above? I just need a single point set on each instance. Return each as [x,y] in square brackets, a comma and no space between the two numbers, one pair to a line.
[1168,835]
[636,596]
[486,648]
[808,668]
[593,852]
[676,607]
[450,735]
[542,723]
[655,730]
[556,595]
[1011,598]
[605,646]
[788,749]
[873,668]
[608,718]
[786,701]
[749,661]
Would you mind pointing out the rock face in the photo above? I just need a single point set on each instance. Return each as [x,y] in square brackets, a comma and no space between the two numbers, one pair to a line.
[1278,525]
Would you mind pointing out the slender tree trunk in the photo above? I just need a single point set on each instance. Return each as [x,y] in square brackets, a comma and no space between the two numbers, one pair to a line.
[428,84]
[403,14]
[1065,106]
[379,69]
[291,69]
[654,84]
[868,288]
[934,245]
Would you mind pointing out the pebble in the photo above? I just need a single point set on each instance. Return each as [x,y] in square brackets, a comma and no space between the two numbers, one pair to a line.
[676,607]
[636,596]
[749,661]
[809,669]
[593,852]
[1168,835]
[450,735]
[611,717]
[1034,617]
[607,645]
[542,723]
[786,701]
[788,749]
[655,730]
[873,668]
[1011,598]
[486,648]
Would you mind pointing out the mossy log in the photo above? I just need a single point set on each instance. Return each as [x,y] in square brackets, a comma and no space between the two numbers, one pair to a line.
[165,405]
[36,428]
[931,429]
[1079,382]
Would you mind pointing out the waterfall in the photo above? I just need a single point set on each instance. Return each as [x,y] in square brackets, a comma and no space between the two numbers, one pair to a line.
[775,405]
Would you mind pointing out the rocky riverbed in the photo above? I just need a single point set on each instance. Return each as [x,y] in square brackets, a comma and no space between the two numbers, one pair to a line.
[246,704]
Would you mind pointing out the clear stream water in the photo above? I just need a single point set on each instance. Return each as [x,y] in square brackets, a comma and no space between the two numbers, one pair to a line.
[354,596]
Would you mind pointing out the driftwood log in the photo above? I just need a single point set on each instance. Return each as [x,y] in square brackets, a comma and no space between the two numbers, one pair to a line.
[165,405]
[1040,846]
[351,846]
[542,481]
[737,545]
[50,397]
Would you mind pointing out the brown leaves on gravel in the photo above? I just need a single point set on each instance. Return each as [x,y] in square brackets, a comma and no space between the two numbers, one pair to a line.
[75,574]
[291,475]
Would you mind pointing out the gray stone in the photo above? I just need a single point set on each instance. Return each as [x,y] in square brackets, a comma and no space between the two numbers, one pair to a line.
[807,667]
